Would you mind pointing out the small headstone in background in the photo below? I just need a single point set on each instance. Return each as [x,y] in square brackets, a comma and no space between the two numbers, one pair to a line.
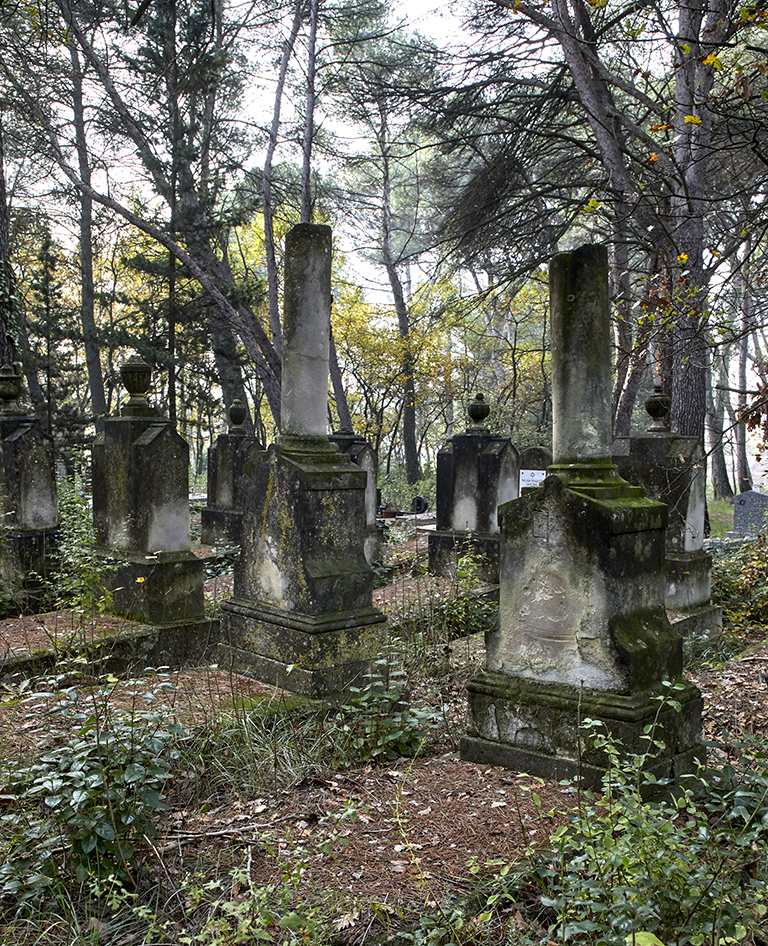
[750,514]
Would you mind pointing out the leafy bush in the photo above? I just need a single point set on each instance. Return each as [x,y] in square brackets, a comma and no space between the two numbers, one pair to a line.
[398,494]
[686,868]
[78,583]
[91,796]
[740,582]
[380,723]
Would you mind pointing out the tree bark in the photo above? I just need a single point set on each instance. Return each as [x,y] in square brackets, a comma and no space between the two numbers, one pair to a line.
[8,354]
[87,293]
[718,469]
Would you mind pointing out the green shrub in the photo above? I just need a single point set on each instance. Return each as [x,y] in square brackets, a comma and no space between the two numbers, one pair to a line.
[740,582]
[380,724]
[84,804]
[688,867]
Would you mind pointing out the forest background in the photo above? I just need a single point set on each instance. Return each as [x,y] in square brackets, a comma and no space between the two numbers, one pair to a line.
[153,155]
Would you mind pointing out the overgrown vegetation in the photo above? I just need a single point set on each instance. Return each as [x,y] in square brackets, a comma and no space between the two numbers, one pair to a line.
[80,815]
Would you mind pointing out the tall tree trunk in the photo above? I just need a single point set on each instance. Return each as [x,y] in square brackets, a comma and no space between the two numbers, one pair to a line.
[8,354]
[718,469]
[408,413]
[266,186]
[87,294]
[309,115]
[743,473]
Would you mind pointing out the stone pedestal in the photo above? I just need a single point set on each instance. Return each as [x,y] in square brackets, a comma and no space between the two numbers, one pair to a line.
[28,508]
[583,630]
[141,513]
[222,515]
[476,472]
[362,454]
[301,616]
[672,469]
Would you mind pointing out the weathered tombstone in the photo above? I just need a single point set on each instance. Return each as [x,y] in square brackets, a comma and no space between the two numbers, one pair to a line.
[302,615]
[534,462]
[750,514]
[221,517]
[363,455]
[141,510]
[28,501]
[672,469]
[582,627]
[476,472]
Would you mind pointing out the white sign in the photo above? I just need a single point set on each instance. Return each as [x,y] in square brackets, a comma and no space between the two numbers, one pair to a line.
[531,477]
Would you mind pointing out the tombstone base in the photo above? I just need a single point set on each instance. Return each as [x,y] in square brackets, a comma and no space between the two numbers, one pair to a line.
[689,580]
[445,548]
[704,624]
[312,655]
[26,557]
[374,540]
[532,726]
[160,589]
[220,526]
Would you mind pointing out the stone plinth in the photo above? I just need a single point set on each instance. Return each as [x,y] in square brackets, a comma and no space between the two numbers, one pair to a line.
[361,453]
[221,517]
[672,469]
[583,630]
[29,510]
[141,517]
[301,616]
[476,472]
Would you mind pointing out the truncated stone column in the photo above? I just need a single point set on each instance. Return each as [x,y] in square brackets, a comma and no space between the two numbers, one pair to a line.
[301,616]
[141,510]
[583,631]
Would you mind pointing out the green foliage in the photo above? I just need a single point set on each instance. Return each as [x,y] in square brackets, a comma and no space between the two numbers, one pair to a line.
[398,494]
[379,722]
[686,868]
[91,796]
[77,584]
[469,608]
[740,582]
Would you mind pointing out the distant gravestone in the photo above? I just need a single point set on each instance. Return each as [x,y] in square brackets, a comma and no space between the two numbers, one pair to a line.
[477,471]
[750,514]
[533,466]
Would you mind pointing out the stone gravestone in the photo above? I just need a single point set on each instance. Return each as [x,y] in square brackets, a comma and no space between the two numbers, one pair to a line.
[533,466]
[750,514]
[28,501]
[141,510]
[583,631]
[221,517]
[363,455]
[301,616]
[672,469]
[476,472]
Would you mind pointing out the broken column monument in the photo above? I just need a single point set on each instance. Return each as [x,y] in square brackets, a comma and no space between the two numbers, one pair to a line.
[672,469]
[302,615]
[29,509]
[582,631]
[141,510]
[222,514]
[477,471]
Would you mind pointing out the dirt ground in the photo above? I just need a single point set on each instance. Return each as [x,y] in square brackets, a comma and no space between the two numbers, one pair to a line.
[418,826]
